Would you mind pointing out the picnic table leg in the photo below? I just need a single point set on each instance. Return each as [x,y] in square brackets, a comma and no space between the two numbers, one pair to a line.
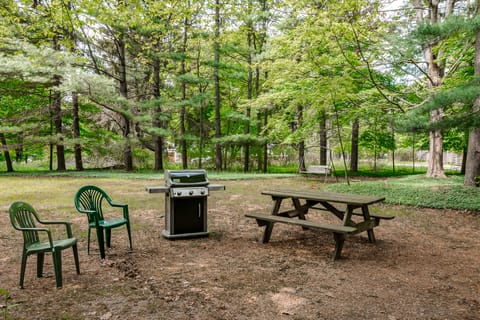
[300,209]
[276,206]
[267,232]
[269,225]
[366,216]
[339,240]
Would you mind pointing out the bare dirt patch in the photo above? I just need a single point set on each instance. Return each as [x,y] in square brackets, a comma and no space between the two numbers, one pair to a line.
[424,265]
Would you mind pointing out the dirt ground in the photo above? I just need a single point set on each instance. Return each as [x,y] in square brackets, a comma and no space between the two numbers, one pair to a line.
[424,265]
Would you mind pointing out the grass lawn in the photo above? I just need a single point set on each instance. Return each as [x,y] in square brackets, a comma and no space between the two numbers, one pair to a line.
[424,264]
[416,190]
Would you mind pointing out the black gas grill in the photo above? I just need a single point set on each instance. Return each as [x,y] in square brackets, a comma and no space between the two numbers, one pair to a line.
[186,193]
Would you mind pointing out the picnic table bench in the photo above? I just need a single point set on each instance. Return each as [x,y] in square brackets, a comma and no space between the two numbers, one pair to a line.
[327,201]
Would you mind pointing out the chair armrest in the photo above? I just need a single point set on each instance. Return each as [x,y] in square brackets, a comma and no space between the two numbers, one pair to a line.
[120,205]
[89,213]
[32,229]
[123,206]
[49,234]
[85,211]
[68,226]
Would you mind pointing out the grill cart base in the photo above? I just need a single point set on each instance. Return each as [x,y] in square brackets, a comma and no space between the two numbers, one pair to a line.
[186,193]
[166,234]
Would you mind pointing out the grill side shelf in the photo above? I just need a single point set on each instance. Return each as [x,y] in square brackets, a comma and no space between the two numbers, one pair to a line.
[164,189]
[157,189]
[216,187]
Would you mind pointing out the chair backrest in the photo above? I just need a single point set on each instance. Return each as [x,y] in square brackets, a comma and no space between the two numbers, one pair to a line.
[90,198]
[22,215]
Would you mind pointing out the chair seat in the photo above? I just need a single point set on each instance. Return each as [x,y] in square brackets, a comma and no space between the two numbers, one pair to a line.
[45,246]
[111,223]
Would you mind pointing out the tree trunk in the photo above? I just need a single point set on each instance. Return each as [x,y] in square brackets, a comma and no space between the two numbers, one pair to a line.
[77,147]
[393,148]
[183,142]
[218,128]
[301,144]
[260,146]
[183,111]
[265,145]
[323,139]
[472,164]
[76,133]
[127,152]
[435,161]
[246,162]
[260,41]
[464,156]
[157,139]
[6,153]
[436,72]
[19,149]
[57,114]
[354,150]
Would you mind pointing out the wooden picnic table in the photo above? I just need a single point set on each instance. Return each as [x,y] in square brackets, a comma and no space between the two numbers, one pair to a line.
[304,200]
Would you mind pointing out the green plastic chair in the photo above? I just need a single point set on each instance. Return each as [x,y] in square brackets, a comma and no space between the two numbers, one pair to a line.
[24,218]
[89,200]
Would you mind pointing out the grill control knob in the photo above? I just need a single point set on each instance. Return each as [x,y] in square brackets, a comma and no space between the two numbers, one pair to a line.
[190,192]
[202,192]
[179,193]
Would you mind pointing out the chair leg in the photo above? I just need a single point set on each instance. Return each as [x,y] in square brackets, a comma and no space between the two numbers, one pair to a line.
[40,258]
[108,233]
[101,242]
[129,235]
[75,256]
[22,269]
[57,265]
[88,242]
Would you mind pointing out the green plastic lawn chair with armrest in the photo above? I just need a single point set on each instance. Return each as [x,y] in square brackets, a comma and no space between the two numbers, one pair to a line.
[24,218]
[89,200]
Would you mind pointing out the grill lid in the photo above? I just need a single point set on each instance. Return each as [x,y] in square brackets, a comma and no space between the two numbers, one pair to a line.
[186,178]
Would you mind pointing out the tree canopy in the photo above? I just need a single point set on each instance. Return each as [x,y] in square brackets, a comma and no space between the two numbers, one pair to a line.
[239,82]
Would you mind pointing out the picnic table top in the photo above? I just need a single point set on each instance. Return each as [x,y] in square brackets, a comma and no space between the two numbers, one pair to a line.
[320,196]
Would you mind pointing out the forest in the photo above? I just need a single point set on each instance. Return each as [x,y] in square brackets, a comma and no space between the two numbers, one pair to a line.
[238,84]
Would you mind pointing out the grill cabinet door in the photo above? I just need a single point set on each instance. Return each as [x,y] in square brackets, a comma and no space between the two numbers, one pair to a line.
[189,215]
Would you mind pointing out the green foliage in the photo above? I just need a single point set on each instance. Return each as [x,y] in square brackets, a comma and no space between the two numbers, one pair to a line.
[456,102]
[329,59]
[419,192]
[240,139]
[453,24]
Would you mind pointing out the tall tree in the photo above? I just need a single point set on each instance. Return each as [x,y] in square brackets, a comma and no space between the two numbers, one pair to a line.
[216,78]
[110,57]
[472,164]
[183,112]
[435,76]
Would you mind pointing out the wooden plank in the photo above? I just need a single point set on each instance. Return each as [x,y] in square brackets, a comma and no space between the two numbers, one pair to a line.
[375,215]
[302,223]
[353,199]
[381,216]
